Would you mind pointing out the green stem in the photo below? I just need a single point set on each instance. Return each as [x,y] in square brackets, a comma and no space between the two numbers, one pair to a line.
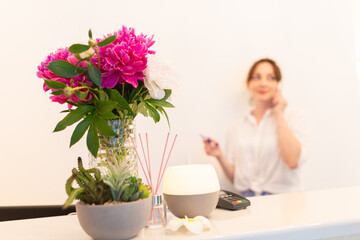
[123,89]
[141,94]
[94,93]
[77,88]
[78,63]
[138,93]
[98,56]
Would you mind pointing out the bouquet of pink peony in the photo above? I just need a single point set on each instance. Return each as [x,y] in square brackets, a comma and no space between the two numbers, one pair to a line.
[107,78]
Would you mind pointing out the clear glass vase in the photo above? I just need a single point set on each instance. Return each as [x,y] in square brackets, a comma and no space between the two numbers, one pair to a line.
[119,147]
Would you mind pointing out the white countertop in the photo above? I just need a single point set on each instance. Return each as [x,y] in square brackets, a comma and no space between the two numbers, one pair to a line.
[304,215]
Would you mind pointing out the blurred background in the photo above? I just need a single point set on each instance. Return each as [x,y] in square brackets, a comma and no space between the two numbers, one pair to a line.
[211,46]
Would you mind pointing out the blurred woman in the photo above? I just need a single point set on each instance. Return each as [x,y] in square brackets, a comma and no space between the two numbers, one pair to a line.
[266,147]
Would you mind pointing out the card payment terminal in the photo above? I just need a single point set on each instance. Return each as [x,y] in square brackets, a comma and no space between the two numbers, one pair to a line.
[232,201]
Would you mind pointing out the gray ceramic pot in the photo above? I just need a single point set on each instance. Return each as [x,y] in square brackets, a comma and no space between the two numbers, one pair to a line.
[118,221]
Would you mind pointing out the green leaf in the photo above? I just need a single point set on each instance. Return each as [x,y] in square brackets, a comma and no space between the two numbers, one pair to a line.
[78,63]
[167,94]
[84,84]
[103,95]
[90,33]
[81,95]
[159,103]
[103,127]
[107,41]
[152,112]
[134,107]
[103,106]
[92,140]
[94,74]
[63,111]
[81,70]
[71,103]
[108,115]
[81,129]
[78,48]
[87,75]
[165,114]
[73,117]
[142,109]
[63,68]
[122,103]
[54,84]
[57,93]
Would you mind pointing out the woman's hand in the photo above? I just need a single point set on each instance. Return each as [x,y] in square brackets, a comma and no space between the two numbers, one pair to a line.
[212,148]
[279,103]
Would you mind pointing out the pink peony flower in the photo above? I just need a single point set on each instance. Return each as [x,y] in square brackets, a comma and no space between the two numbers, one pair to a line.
[124,60]
[44,72]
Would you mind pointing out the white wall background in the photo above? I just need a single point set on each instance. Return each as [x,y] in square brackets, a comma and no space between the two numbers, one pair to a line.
[211,44]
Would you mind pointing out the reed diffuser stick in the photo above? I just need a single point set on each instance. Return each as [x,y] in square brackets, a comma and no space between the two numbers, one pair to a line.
[142,167]
[162,161]
[147,165]
[167,160]
[147,145]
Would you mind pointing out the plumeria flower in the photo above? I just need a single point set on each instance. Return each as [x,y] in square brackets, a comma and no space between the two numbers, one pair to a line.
[159,76]
[194,225]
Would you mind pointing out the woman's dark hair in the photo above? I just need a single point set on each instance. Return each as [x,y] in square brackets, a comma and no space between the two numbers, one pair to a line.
[267,60]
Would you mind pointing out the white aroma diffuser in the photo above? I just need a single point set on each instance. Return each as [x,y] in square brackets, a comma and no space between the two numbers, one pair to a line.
[191,190]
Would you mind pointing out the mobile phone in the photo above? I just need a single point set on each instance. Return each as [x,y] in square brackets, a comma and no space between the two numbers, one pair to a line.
[208,140]
[203,136]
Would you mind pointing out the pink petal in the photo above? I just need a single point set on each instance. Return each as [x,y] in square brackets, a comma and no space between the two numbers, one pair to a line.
[110,79]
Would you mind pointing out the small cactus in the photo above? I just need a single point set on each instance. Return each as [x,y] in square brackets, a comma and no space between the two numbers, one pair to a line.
[92,189]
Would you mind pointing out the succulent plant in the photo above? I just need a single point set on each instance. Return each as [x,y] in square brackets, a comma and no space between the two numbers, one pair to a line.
[124,187]
[92,189]
[118,172]
[116,185]
[131,190]
[145,188]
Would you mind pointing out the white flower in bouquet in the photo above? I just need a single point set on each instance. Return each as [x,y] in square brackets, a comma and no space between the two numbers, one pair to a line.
[159,76]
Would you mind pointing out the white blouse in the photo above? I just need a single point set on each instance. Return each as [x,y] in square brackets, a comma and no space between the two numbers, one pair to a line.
[254,150]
